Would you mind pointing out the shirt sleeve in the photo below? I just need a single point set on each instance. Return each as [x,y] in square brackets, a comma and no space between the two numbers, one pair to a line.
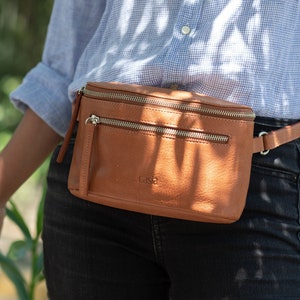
[45,88]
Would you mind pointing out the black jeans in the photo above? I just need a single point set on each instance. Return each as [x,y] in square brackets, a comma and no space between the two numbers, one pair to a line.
[96,252]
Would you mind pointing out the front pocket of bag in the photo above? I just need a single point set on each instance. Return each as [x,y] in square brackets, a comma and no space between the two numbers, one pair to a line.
[152,168]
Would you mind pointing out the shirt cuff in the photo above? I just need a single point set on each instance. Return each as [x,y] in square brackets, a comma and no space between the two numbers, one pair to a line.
[45,92]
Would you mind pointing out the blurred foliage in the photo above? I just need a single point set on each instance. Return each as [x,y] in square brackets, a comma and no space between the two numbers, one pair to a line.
[9,116]
[23,27]
[29,245]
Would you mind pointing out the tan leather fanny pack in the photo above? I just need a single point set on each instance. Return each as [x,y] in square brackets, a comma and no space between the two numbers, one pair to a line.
[164,152]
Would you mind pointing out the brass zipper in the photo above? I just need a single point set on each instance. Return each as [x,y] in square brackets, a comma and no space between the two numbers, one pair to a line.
[180,106]
[95,120]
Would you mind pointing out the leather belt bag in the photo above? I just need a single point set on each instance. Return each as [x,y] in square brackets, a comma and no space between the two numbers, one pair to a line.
[169,153]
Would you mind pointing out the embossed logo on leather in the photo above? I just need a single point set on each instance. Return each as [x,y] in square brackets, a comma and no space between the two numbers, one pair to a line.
[148,179]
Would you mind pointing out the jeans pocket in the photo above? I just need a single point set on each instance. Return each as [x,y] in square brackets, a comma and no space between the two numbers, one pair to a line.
[273,197]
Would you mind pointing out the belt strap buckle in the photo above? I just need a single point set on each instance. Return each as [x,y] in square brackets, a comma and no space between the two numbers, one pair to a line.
[264,152]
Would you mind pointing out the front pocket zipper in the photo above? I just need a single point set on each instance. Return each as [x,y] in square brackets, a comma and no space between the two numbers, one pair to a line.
[161,130]
[192,107]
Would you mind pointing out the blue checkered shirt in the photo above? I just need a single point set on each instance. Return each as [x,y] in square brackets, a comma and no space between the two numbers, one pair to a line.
[246,52]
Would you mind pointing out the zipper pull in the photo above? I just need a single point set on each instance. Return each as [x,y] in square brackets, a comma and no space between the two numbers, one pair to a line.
[64,147]
[86,154]
[93,119]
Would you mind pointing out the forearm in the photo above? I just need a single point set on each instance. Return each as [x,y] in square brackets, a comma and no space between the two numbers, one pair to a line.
[30,145]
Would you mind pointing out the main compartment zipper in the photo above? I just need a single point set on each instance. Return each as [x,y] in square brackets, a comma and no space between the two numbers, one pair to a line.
[217,138]
[193,107]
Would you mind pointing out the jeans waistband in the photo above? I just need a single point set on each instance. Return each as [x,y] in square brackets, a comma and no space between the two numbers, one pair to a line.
[268,124]
[274,123]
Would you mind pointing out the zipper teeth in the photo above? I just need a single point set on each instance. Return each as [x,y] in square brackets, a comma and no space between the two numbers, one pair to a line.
[165,103]
[158,129]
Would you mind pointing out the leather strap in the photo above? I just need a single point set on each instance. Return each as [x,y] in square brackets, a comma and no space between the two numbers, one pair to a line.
[64,146]
[273,139]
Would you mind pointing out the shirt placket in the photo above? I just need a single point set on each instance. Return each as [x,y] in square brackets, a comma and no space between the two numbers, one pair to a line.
[176,60]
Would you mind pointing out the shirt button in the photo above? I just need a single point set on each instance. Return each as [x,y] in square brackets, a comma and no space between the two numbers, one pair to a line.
[185,29]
